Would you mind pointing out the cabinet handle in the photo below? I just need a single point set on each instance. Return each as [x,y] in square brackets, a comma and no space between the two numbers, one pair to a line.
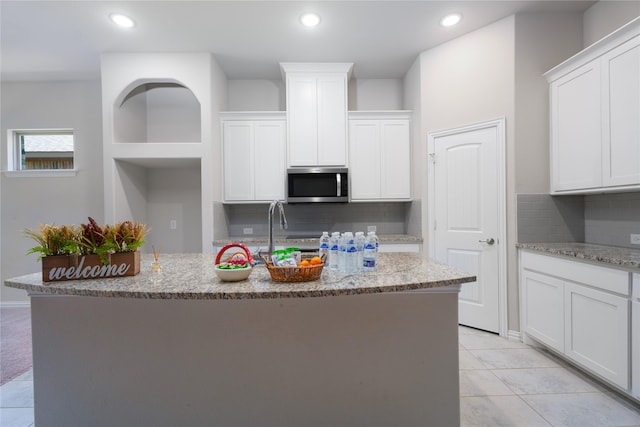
[489,241]
[338,185]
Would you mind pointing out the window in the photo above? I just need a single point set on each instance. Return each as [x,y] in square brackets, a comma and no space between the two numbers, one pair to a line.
[48,150]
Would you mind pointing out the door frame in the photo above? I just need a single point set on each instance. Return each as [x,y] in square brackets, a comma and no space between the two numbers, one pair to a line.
[499,125]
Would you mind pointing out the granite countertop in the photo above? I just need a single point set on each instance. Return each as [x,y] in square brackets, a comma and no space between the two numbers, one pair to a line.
[305,240]
[192,276]
[611,255]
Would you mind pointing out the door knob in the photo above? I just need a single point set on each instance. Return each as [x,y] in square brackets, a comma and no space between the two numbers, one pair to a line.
[489,241]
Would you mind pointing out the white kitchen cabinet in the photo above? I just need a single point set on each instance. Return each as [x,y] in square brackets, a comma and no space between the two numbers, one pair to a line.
[621,114]
[316,97]
[254,166]
[580,310]
[595,110]
[380,156]
[543,308]
[597,332]
[635,337]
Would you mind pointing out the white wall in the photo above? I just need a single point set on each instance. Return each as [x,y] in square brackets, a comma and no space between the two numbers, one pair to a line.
[604,17]
[28,202]
[269,95]
[416,226]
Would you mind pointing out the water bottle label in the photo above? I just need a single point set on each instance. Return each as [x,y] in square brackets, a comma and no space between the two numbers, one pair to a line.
[334,247]
[369,263]
[352,249]
[324,246]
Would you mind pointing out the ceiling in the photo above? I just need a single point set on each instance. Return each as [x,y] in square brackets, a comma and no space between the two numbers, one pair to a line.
[63,40]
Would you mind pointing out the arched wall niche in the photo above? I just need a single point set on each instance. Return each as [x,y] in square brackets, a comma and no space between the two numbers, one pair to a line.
[157,111]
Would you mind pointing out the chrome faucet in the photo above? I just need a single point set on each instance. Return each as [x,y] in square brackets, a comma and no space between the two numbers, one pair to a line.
[283,222]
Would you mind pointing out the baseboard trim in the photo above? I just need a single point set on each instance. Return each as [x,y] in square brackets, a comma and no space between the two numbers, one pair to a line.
[15,304]
[514,335]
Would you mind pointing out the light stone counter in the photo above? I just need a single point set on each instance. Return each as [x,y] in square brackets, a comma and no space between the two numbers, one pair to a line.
[611,256]
[192,276]
[183,348]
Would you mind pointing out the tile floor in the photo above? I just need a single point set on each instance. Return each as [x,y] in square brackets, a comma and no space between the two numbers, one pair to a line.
[502,383]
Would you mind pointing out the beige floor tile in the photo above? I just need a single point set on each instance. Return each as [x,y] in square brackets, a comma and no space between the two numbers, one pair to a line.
[482,383]
[498,411]
[543,381]
[469,361]
[510,358]
[583,410]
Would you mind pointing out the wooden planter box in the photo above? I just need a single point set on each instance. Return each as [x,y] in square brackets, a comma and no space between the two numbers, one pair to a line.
[83,267]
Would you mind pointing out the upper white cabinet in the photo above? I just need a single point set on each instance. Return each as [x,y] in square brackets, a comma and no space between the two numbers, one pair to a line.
[380,156]
[316,113]
[595,116]
[254,153]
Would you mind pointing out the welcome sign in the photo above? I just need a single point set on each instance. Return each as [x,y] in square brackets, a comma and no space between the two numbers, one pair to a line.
[87,267]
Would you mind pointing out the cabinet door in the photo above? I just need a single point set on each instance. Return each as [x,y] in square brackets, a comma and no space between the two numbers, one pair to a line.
[621,114]
[395,139]
[635,344]
[302,114]
[270,160]
[364,159]
[543,308]
[332,120]
[576,153]
[597,332]
[238,160]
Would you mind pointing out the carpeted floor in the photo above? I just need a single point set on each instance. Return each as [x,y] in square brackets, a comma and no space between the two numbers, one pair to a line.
[15,343]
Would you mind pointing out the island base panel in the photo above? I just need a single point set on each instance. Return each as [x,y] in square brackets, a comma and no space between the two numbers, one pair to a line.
[374,360]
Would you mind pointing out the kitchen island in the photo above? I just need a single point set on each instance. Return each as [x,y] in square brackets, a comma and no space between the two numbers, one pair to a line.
[182,348]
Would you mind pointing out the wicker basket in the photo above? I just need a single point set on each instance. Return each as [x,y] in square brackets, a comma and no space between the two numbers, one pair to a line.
[295,274]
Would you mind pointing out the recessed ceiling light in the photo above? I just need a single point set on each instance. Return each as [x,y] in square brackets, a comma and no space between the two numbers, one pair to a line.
[122,20]
[310,19]
[450,20]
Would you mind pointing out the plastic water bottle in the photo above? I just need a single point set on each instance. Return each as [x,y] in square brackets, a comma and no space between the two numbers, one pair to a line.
[370,256]
[324,245]
[342,252]
[351,254]
[334,250]
[360,247]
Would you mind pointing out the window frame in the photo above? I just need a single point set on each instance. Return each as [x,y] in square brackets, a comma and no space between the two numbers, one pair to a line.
[14,160]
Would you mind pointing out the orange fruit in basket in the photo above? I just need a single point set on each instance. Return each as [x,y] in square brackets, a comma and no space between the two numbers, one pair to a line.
[316,260]
[304,263]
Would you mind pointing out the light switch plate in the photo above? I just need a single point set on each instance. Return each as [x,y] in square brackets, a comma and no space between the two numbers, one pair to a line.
[635,239]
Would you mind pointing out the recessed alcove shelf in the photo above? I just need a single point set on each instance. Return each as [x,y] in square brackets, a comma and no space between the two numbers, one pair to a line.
[162,144]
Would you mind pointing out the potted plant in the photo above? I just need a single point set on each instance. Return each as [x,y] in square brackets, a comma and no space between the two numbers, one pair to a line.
[69,252]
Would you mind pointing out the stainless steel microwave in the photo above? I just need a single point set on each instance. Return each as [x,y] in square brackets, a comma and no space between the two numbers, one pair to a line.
[317,185]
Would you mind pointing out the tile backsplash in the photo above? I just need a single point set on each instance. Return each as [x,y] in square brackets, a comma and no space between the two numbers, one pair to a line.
[313,219]
[610,219]
[604,219]
[543,218]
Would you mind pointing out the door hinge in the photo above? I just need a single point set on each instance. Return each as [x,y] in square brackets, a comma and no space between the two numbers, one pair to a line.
[432,156]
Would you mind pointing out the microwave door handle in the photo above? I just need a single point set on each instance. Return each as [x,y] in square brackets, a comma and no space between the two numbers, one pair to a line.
[338,185]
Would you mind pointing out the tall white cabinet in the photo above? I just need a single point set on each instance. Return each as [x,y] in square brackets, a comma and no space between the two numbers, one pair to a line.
[254,157]
[595,116]
[316,97]
[380,156]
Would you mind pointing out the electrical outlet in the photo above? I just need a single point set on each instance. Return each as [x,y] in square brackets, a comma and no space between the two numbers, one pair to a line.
[173,224]
[635,239]
[247,230]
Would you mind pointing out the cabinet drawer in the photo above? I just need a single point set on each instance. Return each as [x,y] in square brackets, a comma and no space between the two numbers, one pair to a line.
[636,286]
[608,279]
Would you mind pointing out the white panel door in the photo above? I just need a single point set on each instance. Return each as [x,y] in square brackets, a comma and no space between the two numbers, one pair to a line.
[270,160]
[396,159]
[364,159]
[466,219]
[597,332]
[238,161]
[621,114]
[576,154]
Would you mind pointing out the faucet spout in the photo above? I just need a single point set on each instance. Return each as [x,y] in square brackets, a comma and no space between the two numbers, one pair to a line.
[283,222]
